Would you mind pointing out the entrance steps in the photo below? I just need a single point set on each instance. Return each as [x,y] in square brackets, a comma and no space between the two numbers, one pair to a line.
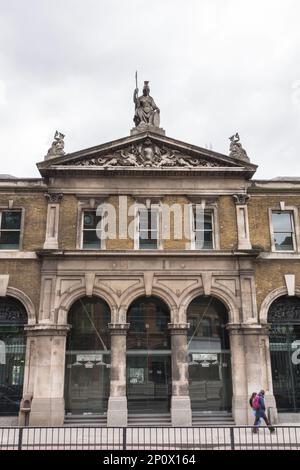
[148,420]
[212,418]
[85,420]
[201,418]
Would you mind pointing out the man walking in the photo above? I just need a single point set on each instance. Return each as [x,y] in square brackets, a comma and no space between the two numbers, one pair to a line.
[260,412]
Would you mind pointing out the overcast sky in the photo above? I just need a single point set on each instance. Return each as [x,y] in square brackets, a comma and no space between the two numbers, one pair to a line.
[215,67]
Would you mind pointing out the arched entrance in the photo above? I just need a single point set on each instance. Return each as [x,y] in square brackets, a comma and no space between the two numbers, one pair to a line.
[210,381]
[13,317]
[88,357]
[148,357]
[284,317]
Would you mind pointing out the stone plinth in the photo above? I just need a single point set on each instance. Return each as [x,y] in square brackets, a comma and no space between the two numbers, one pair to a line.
[147,128]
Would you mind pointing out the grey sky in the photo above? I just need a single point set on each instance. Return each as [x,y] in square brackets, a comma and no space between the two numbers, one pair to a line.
[215,67]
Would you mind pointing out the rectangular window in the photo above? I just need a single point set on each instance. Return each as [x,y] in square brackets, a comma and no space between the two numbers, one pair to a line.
[148,228]
[10,229]
[283,230]
[92,229]
[203,236]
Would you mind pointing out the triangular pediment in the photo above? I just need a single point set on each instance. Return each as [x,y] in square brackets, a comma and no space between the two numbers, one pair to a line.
[145,152]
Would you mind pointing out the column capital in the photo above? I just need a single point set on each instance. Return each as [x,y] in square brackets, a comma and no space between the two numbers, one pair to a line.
[54,198]
[241,199]
[47,330]
[248,329]
[118,328]
[178,328]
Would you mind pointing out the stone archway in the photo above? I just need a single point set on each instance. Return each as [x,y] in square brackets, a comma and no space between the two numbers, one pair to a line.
[148,357]
[88,357]
[13,318]
[210,381]
[284,340]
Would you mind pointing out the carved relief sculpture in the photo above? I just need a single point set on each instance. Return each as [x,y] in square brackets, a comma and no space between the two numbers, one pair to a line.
[148,155]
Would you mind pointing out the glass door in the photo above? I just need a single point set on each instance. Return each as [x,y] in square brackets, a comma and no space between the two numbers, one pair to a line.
[148,357]
[87,376]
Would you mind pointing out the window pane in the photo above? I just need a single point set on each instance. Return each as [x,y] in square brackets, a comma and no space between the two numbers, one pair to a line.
[282,221]
[11,220]
[153,219]
[9,240]
[148,244]
[90,240]
[90,219]
[284,241]
[203,220]
[204,240]
[143,219]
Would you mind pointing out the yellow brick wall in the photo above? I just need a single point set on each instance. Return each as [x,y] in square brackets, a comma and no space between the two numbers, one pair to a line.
[25,276]
[258,213]
[227,221]
[269,275]
[67,231]
[120,244]
[172,243]
[35,206]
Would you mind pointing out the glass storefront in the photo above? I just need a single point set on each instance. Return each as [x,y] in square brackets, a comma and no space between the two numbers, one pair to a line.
[87,378]
[148,357]
[210,381]
[12,354]
[284,317]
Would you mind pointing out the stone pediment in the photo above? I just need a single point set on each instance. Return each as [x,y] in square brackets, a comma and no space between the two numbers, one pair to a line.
[145,152]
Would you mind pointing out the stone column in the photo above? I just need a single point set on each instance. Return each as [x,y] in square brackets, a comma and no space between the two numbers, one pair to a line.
[51,240]
[181,412]
[44,374]
[241,201]
[117,412]
[250,370]
[238,373]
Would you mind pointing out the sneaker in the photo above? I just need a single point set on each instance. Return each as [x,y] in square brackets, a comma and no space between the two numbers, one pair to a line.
[272,429]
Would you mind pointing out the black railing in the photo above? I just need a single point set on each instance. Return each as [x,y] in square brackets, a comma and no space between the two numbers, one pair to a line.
[149,438]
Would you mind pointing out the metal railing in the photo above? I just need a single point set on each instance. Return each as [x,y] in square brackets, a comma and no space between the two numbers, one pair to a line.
[149,438]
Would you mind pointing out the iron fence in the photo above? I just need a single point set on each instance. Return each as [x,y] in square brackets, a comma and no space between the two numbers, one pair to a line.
[149,438]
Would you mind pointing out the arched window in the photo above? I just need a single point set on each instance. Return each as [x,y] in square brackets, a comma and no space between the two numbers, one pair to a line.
[284,317]
[88,357]
[209,355]
[13,317]
[148,356]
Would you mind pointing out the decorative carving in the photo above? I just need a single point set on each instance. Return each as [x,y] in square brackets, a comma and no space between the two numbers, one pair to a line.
[285,310]
[241,199]
[54,198]
[57,147]
[148,154]
[236,149]
[11,311]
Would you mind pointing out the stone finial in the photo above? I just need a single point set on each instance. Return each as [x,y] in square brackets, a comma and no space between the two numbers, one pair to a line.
[236,149]
[57,146]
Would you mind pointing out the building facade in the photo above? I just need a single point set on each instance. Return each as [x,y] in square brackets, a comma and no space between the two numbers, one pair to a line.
[181,313]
